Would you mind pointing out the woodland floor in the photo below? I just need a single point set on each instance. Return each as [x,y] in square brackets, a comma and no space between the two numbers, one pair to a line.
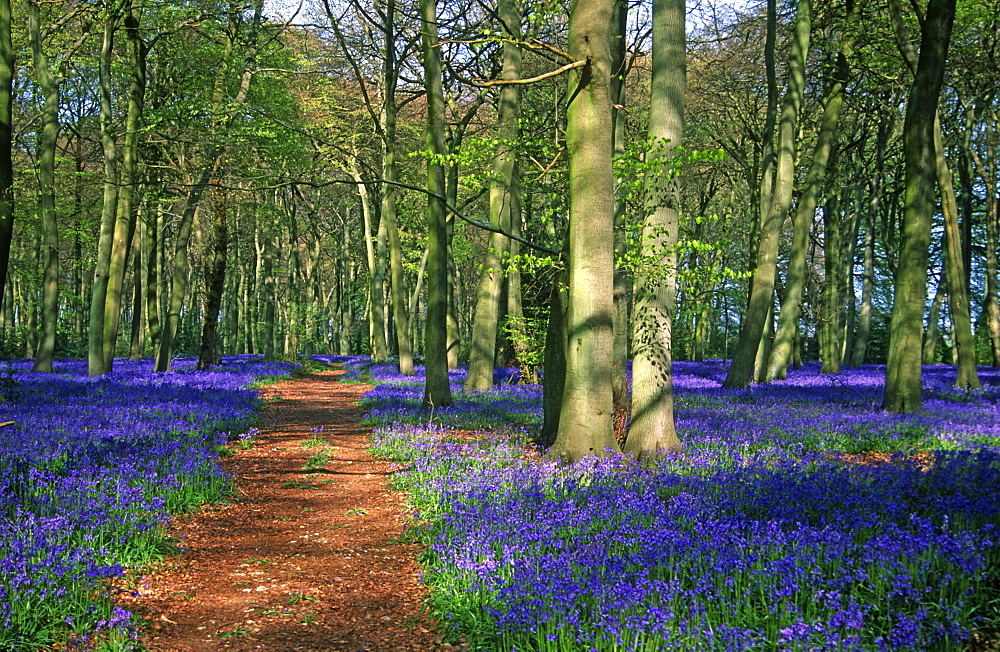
[295,560]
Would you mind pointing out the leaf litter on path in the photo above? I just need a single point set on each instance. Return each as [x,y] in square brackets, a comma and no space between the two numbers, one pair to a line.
[306,556]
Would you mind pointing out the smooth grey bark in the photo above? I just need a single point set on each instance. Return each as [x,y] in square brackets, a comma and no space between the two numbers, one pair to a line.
[744,365]
[503,189]
[767,157]
[585,416]
[437,388]
[928,354]
[620,294]
[958,289]
[791,306]
[830,313]
[652,431]
[346,278]
[554,361]
[847,278]
[48,136]
[903,372]
[152,246]
[375,300]
[379,281]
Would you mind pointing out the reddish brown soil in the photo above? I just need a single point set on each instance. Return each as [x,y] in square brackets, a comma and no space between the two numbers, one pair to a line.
[296,560]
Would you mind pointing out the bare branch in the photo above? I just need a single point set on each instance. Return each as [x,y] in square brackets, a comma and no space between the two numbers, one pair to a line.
[532,80]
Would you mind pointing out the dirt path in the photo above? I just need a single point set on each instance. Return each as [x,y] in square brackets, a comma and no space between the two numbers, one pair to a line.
[297,561]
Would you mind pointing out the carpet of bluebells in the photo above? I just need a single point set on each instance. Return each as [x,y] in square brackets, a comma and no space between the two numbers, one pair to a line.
[799,517]
[90,469]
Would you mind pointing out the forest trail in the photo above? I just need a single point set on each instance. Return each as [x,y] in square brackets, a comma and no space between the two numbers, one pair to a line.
[296,560]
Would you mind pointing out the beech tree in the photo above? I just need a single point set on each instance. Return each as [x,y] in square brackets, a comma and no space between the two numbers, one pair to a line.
[903,373]
[781,351]
[6,142]
[746,367]
[504,201]
[585,426]
[437,389]
[652,430]
[46,156]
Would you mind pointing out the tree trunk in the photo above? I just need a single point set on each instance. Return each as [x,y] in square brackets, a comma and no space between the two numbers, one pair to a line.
[620,292]
[928,354]
[215,282]
[150,248]
[397,281]
[6,149]
[833,254]
[136,335]
[46,194]
[554,362]
[992,300]
[437,388]
[454,335]
[652,430]
[347,280]
[903,373]
[482,355]
[585,417]
[767,158]
[805,211]
[124,229]
[742,369]
[97,358]
[376,272]
[179,275]
[958,289]
[867,286]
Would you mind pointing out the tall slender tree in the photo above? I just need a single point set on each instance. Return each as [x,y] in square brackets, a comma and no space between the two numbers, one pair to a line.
[745,368]
[585,426]
[46,167]
[128,193]
[652,430]
[97,358]
[903,373]
[503,199]
[437,388]
[6,143]
[788,320]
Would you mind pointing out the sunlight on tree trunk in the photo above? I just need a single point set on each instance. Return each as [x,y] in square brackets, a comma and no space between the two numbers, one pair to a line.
[585,426]
[46,194]
[437,388]
[903,373]
[744,366]
[482,356]
[652,430]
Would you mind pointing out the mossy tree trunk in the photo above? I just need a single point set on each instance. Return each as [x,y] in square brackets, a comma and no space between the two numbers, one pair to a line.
[903,373]
[791,306]
[45,170]
[437,389]
[503,191]
[745,362]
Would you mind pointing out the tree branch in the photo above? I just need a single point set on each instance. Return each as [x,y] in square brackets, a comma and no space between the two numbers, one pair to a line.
[532,80]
